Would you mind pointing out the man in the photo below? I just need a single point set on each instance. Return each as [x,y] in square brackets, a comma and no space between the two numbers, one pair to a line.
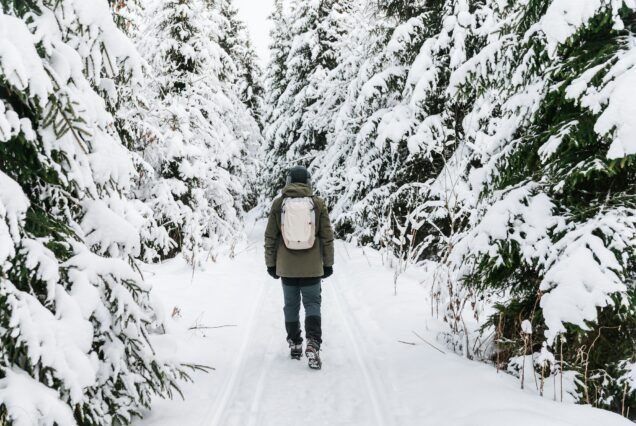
[299,249]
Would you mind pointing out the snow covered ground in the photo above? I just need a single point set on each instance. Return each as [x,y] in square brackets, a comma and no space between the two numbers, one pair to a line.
[368,376]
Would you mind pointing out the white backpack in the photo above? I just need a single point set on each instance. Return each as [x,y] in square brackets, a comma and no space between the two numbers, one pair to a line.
[298,223]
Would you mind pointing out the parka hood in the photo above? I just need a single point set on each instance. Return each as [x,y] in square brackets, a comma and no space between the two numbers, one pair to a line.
[297,190]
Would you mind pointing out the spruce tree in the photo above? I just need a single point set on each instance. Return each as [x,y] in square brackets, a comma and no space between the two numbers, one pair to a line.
[277,68]
[315,30]
[275,84]
[128,101]
[490,138]
[76,319]
[552,233]
[370,142]
[235,40]
[400,9]
[202,133]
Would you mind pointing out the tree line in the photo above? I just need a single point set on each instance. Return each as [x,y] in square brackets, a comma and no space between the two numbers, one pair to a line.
[490,141]
[128,133]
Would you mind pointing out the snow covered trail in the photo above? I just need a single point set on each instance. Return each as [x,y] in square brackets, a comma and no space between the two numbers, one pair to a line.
[368,377]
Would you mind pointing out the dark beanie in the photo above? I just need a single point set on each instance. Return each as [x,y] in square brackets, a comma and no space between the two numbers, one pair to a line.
[298,174]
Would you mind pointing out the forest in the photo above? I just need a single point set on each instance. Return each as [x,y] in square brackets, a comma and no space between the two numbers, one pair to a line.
[490,143]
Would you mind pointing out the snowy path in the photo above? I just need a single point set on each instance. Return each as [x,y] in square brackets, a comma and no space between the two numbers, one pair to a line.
[369,378]
[265,384]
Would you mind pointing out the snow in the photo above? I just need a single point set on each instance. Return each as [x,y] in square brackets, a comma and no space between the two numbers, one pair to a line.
[19,60]
[618,116]
[110,161]
[551,146]
[60,342]
[107,231]
[524,366]
[402,34]
[583,274]
[84,325]
[630,376]
[395,125]
[75,322]
[13,206]
[564,17]
[42,262]
[369,376]
[613,100]
[22,395]
[526,327]
[203,131]
[517,215]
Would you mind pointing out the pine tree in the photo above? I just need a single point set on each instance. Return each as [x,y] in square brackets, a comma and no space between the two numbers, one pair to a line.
[315,30]
[202,133]
[76,319]
[491,139]
[275,84]
[235,40]
[553,230]
[127,100]
[403,10]
[277,68]
[369,143]
[328,82]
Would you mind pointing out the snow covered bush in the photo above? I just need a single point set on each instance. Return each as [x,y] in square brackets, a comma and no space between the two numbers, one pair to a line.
[75,316]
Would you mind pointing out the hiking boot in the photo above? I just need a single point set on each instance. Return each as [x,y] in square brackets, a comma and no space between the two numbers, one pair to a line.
[295,350]
[313,354]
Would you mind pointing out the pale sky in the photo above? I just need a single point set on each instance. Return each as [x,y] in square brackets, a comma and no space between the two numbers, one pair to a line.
[254,13]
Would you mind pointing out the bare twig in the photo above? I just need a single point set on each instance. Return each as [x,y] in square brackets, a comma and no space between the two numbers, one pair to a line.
[428,343]
[202,327]
[407,343]
[561,366]
[247,248]
[344,246]
[499,340]
[624,395]
[364,253]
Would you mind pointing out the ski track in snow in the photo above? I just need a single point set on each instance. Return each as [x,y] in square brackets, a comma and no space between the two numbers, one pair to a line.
[239,366]
[368,378]
[382,414]
[269,347]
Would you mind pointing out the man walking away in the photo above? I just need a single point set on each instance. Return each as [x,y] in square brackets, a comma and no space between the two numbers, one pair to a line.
[299,249]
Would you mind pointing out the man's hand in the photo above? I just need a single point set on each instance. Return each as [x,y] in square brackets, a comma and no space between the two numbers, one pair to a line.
[271,270]
[328,271]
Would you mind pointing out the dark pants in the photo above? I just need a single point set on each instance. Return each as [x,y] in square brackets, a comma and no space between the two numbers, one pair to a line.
[309,291]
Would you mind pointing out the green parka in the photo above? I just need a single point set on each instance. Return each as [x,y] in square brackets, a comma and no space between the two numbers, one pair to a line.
[299,263]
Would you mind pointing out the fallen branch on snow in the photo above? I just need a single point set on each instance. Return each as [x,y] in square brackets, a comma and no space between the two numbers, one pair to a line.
[428,343]
[202,327]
